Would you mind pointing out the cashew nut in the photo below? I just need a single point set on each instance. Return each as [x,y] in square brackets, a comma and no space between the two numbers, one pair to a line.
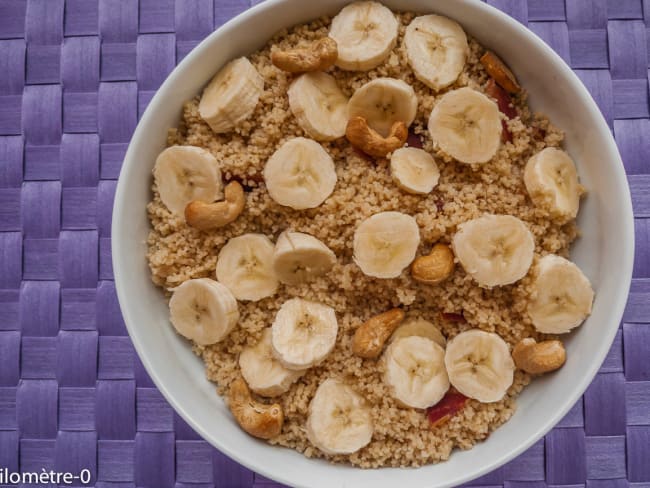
[361,135]
[206,216]
[538,358]
[370,337]
[318,57]
[434,268]
[258,419]
[498,70]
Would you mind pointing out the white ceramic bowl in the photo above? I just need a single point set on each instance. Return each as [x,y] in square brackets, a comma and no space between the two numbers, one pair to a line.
[604,252]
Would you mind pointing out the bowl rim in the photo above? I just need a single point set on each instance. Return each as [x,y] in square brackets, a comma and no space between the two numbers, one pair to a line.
[617,310]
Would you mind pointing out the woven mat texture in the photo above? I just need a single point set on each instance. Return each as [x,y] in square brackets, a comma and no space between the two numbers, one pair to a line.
[75,75]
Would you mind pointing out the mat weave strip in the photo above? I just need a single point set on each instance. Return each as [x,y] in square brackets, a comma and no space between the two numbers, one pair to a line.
[75,76]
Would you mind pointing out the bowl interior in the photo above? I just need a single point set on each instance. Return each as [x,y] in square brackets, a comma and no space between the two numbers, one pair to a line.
[604,251]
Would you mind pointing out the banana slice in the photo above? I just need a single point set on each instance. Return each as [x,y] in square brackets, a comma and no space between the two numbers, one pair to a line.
[319,105]
[231,96]
[339,419]
[552,182]
[436,48]
[479,365]
[365,33]
[304,333]
[420,328]
[382,102]
[300,174]
[245,266]
[203,310]
[466,125]
[494,249]
[264,374]
[385,244]
[414,170]
[299,257]
[415,371]
[562,296]
[184,174]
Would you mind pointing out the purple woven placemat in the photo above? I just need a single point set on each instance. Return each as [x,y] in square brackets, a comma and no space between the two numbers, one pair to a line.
[74,77]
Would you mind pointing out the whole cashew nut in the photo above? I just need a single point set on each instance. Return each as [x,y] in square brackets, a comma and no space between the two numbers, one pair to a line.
[370,337]
[361,135]
[206,216]
[434,268]
[318,57]
[498,70]
[258,419]
[538,358]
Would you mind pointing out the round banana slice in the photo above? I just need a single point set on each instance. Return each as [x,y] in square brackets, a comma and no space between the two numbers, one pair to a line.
[420,328]
[436,48]
[299,257]
[494,249]
[414,170]
[184,174]
[385,244]
[466,125]
[552,182]
[304,333]
[300,174]
[319,105]
[382,102]
[479,365]
[415,371]
[339,419]
[245,266]
[562,296]
[231,96]
[203,310]
[365,33]
[264,374]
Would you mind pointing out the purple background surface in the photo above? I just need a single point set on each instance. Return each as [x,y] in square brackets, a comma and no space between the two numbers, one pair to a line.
[74,77]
